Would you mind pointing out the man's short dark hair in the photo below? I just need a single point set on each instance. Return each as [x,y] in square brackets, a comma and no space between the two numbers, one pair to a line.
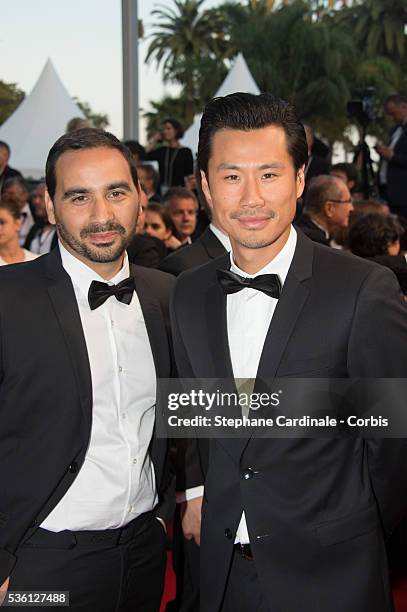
[244,111]
[320,189]
[151,173]
[15,180]
[5,146]
[396,99]
[136,149]
[179,192]
[371,234]
[80,140]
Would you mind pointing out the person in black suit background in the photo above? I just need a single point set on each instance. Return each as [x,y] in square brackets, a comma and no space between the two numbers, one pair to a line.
[145,250]
[212,243]
[287,524]
[393,166]
[6,171]
[83,477]
[316,164]
[327,207]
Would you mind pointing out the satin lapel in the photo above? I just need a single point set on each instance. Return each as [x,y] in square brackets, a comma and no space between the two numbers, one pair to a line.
[218,333]
[285,316]
[213,246]
[155,325]
[62,296]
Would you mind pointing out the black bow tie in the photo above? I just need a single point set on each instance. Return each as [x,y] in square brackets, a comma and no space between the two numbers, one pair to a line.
[269,284]
[99,292]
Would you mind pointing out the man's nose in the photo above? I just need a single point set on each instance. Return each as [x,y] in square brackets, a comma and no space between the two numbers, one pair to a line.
[102,210]
[251,196]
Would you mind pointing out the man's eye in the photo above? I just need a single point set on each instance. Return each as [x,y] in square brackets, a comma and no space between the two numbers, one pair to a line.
[117,194]
[232,177]
[269,175]
[79,199]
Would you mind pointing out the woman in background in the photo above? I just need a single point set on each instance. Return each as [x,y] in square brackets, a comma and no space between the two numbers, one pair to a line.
[10,223]
[175,161]
[158,224]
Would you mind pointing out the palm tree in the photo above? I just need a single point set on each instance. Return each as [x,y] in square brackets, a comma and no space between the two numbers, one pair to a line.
[378,26]
[183,38]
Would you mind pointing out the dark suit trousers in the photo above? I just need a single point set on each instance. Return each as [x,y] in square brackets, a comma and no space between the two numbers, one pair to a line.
[107,571]
[243,589]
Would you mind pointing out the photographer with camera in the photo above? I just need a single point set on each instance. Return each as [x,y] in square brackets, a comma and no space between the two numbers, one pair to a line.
[393,165]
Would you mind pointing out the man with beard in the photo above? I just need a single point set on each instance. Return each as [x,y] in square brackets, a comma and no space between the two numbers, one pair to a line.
[84,480]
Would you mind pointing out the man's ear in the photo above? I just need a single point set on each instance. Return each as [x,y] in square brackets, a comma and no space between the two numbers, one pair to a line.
[300,181]
[328,208]
[49,205]
[206,190]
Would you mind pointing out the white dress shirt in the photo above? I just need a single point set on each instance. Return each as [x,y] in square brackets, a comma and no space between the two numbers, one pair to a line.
[249,314]
[116,483]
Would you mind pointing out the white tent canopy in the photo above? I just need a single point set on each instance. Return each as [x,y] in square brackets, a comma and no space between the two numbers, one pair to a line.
[238,79]
[37,123]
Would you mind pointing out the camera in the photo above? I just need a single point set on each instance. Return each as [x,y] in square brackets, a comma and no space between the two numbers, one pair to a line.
[364,107]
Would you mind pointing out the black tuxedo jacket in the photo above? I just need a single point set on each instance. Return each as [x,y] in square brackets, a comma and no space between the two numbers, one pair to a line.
[315,508]
[201,251]
[397,174]
[146,251]
[46,391]
[308,227]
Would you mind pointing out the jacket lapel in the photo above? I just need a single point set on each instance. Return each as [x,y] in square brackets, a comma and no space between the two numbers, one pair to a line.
[213,246]
[288,309]
[217,327]
[155,325]
[62,296]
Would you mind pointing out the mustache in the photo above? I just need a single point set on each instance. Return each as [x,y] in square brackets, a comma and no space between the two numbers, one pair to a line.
[254,212]
[99,228]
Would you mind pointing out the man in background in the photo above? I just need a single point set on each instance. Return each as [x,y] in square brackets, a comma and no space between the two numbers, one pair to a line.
[393,166]
[327,206]
[42,237]
[6,171]
[182,206]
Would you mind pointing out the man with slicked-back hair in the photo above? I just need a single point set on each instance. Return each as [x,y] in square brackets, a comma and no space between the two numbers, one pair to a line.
[288,524]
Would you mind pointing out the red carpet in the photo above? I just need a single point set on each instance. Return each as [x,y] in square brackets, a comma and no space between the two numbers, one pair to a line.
[399,589]
[169,587]
[400,594]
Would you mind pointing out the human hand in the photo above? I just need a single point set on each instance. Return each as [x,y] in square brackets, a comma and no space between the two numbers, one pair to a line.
[3,590]
[384,151]
[191,519]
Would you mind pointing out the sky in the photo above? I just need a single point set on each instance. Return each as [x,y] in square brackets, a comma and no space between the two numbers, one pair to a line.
[83,39]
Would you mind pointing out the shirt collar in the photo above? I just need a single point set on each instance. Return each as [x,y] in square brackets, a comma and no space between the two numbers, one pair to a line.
[279,265]
[223,238]
[82,275]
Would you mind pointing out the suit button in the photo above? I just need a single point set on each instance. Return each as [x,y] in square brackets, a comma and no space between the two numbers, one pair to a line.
[247,474]
[73,468]
[228,534]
